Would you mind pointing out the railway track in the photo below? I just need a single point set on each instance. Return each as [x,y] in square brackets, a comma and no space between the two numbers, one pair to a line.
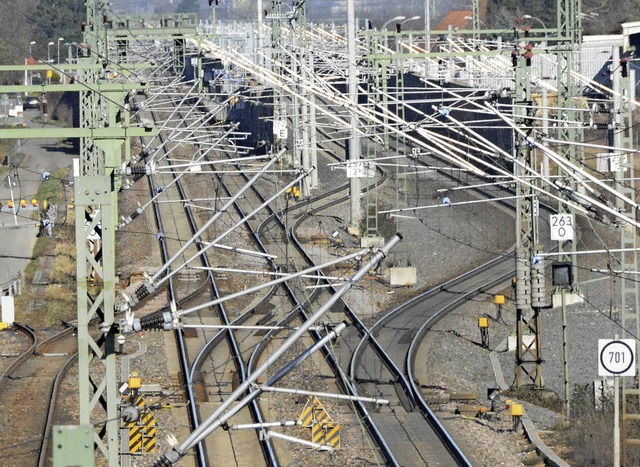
[162,229]
[387,449]
[396,378]
[35,376]
[192,359]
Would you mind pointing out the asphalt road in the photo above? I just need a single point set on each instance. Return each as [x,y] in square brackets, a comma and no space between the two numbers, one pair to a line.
[18,233]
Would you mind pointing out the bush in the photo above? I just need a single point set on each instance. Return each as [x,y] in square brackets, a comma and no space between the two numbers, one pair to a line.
[590,433]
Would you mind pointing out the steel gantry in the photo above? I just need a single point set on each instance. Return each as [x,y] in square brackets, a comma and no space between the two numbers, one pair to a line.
[96,183]
[104,129]
[569,30]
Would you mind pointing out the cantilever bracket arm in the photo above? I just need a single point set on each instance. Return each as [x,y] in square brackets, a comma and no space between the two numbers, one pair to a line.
[57,133]
[75,87]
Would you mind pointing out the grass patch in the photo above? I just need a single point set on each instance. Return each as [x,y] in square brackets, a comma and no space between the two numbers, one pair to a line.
[586,437]
[64,264]
[39,120]
[60,295]
[540,397]
[6,145]
[53,189]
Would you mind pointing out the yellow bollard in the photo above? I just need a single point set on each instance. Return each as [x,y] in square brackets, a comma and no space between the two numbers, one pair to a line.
[483,324]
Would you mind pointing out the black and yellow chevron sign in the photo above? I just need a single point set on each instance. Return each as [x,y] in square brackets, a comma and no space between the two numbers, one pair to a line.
[313,412]
[142,433]
[327,434]
[135,439]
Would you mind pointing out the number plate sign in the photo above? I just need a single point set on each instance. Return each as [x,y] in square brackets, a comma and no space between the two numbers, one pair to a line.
[360,169]
[616,357]
[280,130]
[561,227]
[617,162]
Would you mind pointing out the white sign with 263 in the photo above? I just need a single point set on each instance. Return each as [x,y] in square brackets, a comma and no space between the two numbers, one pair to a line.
[561,227]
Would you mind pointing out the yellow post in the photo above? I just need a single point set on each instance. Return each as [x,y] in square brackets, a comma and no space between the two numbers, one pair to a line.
[516,411]
[483,324]
[499,301]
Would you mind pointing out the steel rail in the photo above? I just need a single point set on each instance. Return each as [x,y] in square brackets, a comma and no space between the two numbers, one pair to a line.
[495,280]
[48,424]
[201,457]
[27,331]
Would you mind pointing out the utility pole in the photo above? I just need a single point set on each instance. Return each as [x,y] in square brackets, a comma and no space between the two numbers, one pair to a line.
[623,81]
[354,139]
[569,30]
[304,128]
[280,131]
[475,5]
[96,183]
[313,137]
[300,122]
[260,58]
[530,281]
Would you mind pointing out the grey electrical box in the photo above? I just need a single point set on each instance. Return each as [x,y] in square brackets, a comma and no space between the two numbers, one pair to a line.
[73,446]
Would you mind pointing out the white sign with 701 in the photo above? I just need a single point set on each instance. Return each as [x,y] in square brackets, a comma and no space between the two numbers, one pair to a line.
[616,357]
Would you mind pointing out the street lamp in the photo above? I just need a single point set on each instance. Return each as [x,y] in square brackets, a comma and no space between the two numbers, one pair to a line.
[397,18]
[49,52]
[413,18]
[544,26]
[384,26]
[60,39]
[31,44]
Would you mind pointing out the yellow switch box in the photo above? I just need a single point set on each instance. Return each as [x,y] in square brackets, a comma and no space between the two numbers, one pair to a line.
[134,381]
[516,410]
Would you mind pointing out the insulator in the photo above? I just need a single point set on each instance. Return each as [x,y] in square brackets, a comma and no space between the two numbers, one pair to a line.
[137,171]
[151,322]
[141,293]
[162,462]
[157,322]
[130,414]
[538,282]
[523,282]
